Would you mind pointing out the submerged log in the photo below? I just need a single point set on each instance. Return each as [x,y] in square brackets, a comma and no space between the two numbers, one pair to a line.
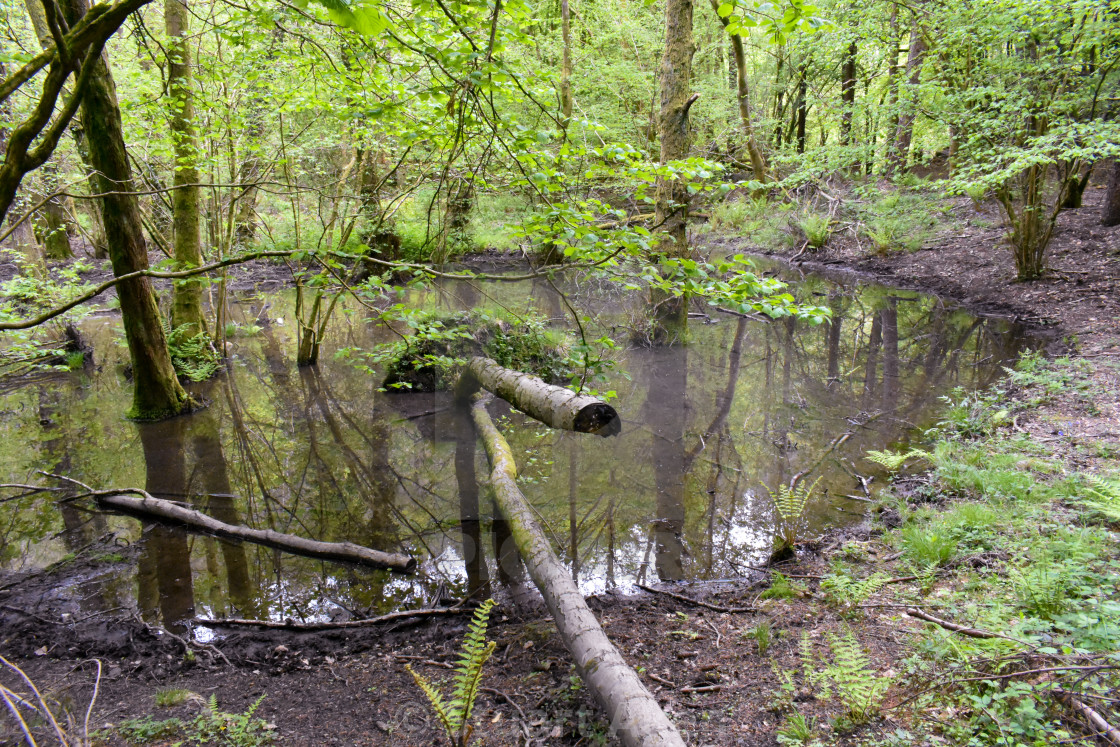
[142,505]
[553,405]
[634,714]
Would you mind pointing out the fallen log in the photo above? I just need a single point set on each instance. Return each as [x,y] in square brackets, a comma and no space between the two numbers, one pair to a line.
[553,405]
[634,714]
[138,503]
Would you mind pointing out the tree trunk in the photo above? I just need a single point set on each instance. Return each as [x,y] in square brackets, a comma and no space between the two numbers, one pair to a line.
[801,111]
[634,714]
[23,237]
[848,93]
[140,504]
[553,405]
[742,96]
[1110,210]
[671,212]
[186,304]
[566,70]
[156,391]
[53,225]
[900,151]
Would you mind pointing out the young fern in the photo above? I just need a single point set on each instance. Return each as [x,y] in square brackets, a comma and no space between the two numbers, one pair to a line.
[860,688]
[789,504]
[455,715]
[847,592]
[892,461]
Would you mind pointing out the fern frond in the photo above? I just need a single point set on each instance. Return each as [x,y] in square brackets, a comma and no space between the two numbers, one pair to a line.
[475,652]
[438,705]
[860,687]
[893,461]
[1102,495]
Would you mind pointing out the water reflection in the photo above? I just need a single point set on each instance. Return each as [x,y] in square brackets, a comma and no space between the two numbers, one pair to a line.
[322,453]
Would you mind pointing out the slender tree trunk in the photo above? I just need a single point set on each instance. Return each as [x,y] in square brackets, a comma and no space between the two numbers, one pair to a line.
[671,212]
[566,70]
[186,304]
[53,224]
[801,111]
[892,86]
[848,93]
[156,391]
[900,151]
[742,96]
[779,99]
[1110,210]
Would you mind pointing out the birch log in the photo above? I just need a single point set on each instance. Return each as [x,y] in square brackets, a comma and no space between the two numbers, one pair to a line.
[553,405]
[634,714]
[142,505]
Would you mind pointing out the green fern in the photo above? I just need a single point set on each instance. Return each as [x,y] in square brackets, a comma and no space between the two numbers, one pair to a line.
[193,357]
[860,688]
[789,504]
[455,715]
[1102,495]
[892,461]
[847,592]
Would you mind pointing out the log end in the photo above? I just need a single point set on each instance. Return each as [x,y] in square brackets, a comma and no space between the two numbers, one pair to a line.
[598,418]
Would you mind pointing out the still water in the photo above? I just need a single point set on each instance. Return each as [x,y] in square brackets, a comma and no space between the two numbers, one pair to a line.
[320,452]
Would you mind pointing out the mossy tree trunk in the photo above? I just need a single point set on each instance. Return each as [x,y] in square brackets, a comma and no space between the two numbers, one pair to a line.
[186,303]
[848,92]
[671,211]
[156,391]
[566,70]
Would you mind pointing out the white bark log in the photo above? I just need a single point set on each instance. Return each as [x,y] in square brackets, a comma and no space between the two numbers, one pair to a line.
[553,405]
[143,505]
[634,714]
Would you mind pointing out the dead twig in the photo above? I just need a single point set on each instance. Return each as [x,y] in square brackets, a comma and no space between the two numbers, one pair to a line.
[1104,728]
[696,602]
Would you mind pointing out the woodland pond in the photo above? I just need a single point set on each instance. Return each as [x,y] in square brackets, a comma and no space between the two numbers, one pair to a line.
[321,452]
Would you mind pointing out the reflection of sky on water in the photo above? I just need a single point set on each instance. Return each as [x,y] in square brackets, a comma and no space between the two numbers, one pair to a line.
[321,453]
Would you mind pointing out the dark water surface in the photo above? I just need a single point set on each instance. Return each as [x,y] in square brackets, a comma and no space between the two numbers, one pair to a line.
[320,452]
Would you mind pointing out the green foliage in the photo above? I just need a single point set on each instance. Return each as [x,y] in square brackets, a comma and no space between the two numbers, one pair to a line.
[1102,494]
[893,461]
[762,634]
[797,730]
[454,715]
[859,686]
[847,592]
[214,727]
[168,697]
[147,730]
[817,229]
[925,548]
[975,414]
[789,505]
[194,357]
[781,587]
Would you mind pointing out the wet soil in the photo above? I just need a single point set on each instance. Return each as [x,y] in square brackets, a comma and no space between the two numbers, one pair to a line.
[350,686]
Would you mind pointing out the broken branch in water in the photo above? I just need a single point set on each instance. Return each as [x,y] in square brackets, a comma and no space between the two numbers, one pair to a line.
[140,504]
[553,405]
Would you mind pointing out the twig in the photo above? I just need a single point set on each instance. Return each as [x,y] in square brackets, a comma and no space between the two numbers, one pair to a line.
[660,680]
[962,629]
[293,625]
[1094,718]
[696,602]
[702,689]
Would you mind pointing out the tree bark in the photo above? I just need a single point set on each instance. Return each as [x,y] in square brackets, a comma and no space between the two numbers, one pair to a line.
[635,716]
[553,405]
[848,93]
[1110,210]
[742,96]
[671,209]
[140,504]
[186,303]
[900,151]
[156,391]
[566,70]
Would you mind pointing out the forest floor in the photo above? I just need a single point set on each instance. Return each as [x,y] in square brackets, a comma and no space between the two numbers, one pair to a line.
[791,667]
